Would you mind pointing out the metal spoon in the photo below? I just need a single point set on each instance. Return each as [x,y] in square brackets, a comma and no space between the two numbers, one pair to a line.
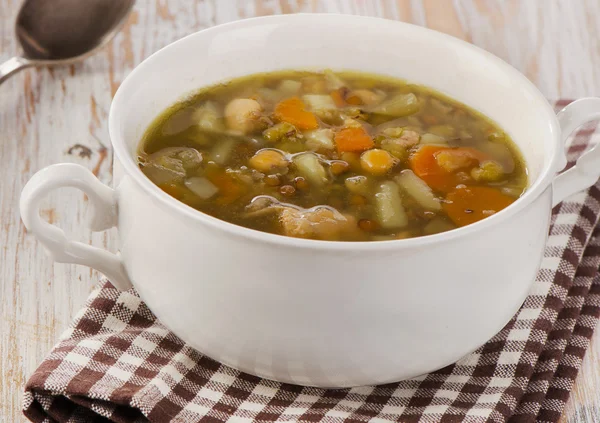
[57,32]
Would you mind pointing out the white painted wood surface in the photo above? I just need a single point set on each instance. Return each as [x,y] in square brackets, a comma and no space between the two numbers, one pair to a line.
[45,114]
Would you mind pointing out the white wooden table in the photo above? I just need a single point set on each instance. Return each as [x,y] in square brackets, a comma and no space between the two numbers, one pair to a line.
[57,115]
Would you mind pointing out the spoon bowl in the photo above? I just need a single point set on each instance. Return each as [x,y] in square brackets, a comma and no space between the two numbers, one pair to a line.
[53,32]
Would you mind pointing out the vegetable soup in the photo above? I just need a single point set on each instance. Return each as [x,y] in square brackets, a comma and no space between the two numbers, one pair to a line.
[333,156]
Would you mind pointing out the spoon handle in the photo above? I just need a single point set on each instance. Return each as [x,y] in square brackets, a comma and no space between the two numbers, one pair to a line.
[11,66]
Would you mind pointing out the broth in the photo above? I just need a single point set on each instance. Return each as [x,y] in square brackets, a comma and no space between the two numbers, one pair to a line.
[339,156]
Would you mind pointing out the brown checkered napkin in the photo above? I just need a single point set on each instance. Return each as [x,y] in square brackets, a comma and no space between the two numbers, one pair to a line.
[118,363]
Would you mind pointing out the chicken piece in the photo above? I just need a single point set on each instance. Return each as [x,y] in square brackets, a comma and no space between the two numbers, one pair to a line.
[317,223]
[451,162]
[408,139]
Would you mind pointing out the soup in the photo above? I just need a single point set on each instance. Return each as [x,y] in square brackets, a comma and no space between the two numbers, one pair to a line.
[333,156]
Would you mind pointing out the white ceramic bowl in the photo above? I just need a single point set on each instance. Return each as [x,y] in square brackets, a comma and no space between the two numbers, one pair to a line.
[314,312]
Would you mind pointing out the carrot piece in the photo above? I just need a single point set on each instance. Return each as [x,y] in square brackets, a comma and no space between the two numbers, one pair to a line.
[424,162]
[338,98]
[467,205]
[426,167]
[353,139]
[292,110]
[229,189]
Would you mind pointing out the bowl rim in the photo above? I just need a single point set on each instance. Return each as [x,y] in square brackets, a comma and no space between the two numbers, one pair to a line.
[172,205]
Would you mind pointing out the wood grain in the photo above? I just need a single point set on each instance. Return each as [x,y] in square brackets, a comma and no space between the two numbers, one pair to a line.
[56,115]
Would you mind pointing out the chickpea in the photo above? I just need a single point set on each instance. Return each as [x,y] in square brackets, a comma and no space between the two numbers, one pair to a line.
[242,115]
[268,160]
[376,161]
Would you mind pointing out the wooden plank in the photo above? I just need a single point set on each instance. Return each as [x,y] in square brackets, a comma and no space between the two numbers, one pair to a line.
[55,115]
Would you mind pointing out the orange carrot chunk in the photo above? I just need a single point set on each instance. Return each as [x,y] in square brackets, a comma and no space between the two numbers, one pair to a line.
[437,165]
[353,139]
[292,110]
[229,189]
[467,205]
[426,167]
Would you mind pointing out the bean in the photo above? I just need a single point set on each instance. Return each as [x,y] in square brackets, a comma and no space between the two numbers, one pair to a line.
[272,180]
[368,225]
[287,190]
[301,183]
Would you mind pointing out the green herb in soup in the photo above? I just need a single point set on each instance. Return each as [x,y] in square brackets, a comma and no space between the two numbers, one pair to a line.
[333,156]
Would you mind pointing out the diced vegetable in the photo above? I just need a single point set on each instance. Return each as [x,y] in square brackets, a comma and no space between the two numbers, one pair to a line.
[353,139]
[471,204]
[208,117]
[488,171]
[419,190]
[311,168]
[269,94]
[352,123]
[437,165]
[320,139]
[333,81]
[395,148]
[425,166]
[242,115]
[279,131]
[202,187]
[289,87]
[229,189]
[377,162]
[320,104]
[267,161]
[390,211]
[292,110]
[398,147]
[399,105]
[359,185]
[222,150]
[438,225]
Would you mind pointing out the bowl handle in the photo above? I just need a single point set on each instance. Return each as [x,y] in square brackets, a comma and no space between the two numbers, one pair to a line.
[103,201]
[586,171]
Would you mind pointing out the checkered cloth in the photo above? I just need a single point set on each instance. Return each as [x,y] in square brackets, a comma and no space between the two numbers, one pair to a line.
[118,363]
